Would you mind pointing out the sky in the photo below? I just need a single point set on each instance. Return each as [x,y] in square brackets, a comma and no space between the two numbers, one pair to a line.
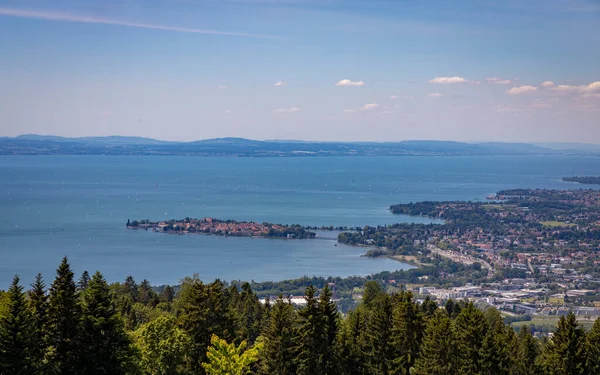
[327,70]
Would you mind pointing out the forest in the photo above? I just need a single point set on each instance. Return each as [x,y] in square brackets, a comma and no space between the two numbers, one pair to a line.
[87,326]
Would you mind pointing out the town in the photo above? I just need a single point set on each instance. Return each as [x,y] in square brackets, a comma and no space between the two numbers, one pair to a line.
[533,254]
[218,227]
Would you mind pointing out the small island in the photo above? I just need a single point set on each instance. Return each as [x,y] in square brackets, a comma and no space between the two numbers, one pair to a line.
[587,180]
[218,227]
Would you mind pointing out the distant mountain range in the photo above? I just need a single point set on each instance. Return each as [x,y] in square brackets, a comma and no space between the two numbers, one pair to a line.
[33,144]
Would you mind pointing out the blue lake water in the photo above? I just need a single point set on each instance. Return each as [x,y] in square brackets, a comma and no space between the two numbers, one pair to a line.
[78,205]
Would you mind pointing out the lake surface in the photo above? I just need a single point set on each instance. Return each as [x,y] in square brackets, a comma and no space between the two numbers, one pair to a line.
[78,205]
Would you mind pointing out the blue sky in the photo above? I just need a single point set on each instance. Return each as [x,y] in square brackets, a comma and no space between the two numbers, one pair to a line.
[377,70]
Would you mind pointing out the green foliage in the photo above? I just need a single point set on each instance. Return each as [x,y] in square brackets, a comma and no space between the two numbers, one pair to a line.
[593,349]
[278,354]
[64,314]
[407,332]
[228,359]
[38,303]
[438,354]
[107,348]
[16,335]
[470,331]
[164,348]
[565,352]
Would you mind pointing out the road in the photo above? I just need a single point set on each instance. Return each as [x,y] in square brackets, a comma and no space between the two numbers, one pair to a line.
[464,259]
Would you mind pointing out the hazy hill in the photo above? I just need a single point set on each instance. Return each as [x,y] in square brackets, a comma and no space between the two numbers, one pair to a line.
[33,144]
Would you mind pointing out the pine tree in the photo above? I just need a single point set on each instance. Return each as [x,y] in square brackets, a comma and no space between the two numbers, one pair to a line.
[496,356]
[593,349]
[277,356]
[82,284]
[351,344]
[407,333]
[470,330]
[107,346]
[145,293]
[311,336]
[565,352]
[38,302]
[438,354]
[329,314]
[247,312]
[167,294]
[130,288]
[64,314]
[204,313]
[381,352]
[16,336]
[528,353]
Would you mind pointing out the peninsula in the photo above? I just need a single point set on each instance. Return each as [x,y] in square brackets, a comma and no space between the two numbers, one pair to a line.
[588,180]
[218,227]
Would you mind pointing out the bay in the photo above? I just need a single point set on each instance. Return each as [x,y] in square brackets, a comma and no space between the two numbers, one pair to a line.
[78,205]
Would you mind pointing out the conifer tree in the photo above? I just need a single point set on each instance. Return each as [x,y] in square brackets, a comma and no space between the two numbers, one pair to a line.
[204,313]
[528,353]
[438,354]
[379,335]
[565,352]
[496,356]
[64,314]
[311,336]
[167,294]
[407,333]
[130,288]
[107,348]
[278,354]
[329,314]
[38,302]
[351,344]
[470,330]
[593,349]
[82,284]
[16,336]
[248,314]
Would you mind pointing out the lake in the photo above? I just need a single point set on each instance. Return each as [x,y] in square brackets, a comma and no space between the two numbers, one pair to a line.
[78,206]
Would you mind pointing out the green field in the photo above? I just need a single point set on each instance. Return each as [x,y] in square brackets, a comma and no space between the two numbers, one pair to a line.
[551,321]
[556,224]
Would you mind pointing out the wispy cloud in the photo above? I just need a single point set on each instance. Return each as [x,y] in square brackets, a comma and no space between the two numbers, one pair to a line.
[286,110]
[349,110]
[448,80]
[223,87]
[499,81]
[280,84]
[547,84]
[368,107]
[70,17]
[521,90]
[347,82]
[435,95]
[396,97]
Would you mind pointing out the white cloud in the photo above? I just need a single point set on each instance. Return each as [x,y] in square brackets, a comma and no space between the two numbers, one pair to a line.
[280,84]
[286,110]
[349,110]
[499,81]
[447,80]
[547,84]
[585,90]
[521,90]
[435,95]
[223,87]
[228,111]
[368,107]
[347,82]
[69,17]
[396,97]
